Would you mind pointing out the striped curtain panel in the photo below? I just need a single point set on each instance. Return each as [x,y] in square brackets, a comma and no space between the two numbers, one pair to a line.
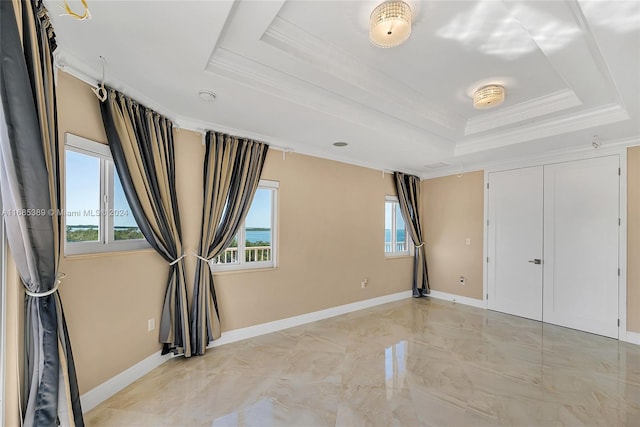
[141,143]
[29,181]
[408,189]
[232,169]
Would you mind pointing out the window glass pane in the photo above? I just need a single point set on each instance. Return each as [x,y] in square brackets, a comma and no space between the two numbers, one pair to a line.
[124,224]
[82,203]
[258,232]
[388,212]
[401,232]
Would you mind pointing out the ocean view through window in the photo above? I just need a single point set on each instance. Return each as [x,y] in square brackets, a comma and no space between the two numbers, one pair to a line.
[97,217]
[395,231]
[254,245]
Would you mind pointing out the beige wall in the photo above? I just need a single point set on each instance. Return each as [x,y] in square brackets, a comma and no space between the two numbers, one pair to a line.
[453,210]
[331,234]
[633,239]
[107,298]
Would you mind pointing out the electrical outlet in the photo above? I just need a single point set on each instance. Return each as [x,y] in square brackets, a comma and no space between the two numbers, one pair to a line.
[461,280]
[467,241]
[364,283]
[151,324]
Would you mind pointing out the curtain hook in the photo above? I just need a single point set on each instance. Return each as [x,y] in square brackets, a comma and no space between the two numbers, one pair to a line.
[100,91]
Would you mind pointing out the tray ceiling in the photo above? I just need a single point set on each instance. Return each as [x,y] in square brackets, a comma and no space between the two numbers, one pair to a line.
[303,74]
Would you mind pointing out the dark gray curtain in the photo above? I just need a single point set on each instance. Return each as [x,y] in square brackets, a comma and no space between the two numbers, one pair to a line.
[141,142]
[29,182]
[408,189]
[232,169]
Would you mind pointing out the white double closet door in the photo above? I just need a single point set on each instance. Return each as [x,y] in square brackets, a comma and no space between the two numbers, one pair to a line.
[552,243]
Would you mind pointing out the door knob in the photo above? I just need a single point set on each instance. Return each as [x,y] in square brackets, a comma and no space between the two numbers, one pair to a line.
[535,261]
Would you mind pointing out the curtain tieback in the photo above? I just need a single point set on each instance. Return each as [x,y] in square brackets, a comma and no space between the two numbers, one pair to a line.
[207,260]
[420,245]
[59,278]
[178,259]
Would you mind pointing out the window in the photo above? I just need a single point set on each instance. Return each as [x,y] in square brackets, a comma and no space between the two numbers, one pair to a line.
[97,217]
[255,244]
[395,233]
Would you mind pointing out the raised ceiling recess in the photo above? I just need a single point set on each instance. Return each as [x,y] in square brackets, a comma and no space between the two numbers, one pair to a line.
[300,73]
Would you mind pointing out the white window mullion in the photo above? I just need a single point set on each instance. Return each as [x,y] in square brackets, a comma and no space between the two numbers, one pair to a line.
[109,204]
[394,243]
[241,244]
[274,226]
[105,236]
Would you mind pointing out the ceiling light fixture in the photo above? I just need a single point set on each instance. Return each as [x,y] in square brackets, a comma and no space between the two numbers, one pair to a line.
[390,24]
[207,95]
[340,144]
[488,96]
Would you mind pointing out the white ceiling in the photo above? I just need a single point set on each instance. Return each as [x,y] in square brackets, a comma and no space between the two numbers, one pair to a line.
[303,74]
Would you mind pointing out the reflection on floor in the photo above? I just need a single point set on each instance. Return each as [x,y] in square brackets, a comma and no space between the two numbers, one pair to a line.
[408,363]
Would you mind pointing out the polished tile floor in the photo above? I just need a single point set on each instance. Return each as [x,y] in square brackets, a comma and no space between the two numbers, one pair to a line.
[408,363]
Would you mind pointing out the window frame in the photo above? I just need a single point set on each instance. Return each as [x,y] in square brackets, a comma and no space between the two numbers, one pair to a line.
[242,265]
[106,232]
[408,243]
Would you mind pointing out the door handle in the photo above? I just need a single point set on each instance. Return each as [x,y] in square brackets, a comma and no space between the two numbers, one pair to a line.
[535,261]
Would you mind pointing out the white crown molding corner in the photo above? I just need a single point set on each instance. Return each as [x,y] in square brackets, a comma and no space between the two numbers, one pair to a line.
[584,151]
[458,299]
[585,119]
[548,104]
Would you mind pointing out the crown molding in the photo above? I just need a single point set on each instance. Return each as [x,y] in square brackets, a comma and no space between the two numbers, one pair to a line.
[257,76]
[585,119]
[607,147]
[330,59]
[71,65]
[547,104]
[280,144]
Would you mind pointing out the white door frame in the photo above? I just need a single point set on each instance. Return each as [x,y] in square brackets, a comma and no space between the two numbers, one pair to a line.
[622,230]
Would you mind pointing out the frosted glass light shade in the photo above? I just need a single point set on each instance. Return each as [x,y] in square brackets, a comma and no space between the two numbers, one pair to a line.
[390,24]
[488,96]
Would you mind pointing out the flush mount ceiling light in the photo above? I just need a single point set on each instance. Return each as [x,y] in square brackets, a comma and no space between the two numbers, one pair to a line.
[340,144]
[488,96]
[390,24]
[207,95]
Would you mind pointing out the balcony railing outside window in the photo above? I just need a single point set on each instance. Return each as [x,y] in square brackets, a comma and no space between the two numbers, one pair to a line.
[251,254]
[400,247]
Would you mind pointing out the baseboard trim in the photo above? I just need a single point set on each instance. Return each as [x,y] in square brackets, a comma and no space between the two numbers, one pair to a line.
[290,322]
[473,302]
[632,337]
[99,394]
